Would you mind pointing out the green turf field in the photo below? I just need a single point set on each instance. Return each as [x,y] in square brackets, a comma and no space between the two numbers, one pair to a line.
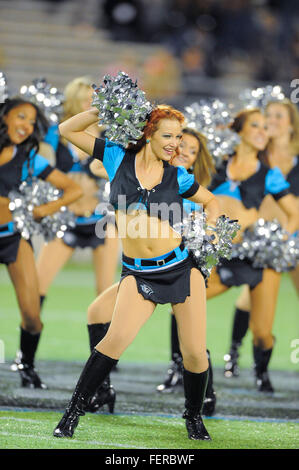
[25,430]
[65,333]
[65,339]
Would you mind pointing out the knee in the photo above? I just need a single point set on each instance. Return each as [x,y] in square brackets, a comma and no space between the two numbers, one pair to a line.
[31,315]
[195,360]
[32,325]
[115,343]
[261,337]
[92,312]
[96,313]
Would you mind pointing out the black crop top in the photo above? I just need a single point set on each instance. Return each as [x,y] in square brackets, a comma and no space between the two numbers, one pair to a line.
[252,190]
[293,178]
[127,193]
[19,167]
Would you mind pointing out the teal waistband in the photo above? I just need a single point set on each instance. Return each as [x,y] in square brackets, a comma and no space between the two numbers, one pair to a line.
[7,229]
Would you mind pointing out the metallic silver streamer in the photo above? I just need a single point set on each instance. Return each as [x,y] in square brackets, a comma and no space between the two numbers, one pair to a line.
[35,193]
[212,118]
[47,97]
[104,190]
[123,108]
[268,245]
[204,250]
[3,88]
[260,97]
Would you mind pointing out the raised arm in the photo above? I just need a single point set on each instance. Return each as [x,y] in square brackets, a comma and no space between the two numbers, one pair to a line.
[75,130]
[97,168]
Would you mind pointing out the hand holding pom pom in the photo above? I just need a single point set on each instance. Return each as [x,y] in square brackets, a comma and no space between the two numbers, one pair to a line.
[122,108]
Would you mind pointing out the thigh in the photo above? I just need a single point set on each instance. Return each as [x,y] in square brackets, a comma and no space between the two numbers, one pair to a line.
[105,260]
[130,313]
[243,301]
[24,278]
[53,256]
[191,321]
[215,286]
[101,309]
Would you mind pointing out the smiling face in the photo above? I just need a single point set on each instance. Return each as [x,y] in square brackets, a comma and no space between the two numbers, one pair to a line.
[166,139]
[254,131]
[278,120]
[20,122]
[189,149]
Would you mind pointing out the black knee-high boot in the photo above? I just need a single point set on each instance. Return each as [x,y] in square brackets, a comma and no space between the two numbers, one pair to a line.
[105,393]
[261,360]
[195,390]
[240,327]
[210,398]
[25,360]
[96,369]
[174,377]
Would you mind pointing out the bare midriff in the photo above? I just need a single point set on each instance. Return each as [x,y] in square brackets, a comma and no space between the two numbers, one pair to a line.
[87,203]
[144,236]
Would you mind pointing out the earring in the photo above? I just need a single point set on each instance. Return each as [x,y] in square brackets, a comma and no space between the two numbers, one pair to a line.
[147,141]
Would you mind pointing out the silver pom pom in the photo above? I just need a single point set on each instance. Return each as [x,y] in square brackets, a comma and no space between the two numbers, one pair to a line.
[35,193]
[47,97]
[212,118]
[207,254]
[268,245]
[123,108]
[3,87]
[260,97]
[104,190]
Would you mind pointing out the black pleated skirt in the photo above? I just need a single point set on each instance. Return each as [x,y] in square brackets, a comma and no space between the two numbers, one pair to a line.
[236,272]
[162,286]
[83,236]
[9,247]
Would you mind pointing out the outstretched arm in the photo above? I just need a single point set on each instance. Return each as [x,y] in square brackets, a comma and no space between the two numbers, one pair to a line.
[209,202]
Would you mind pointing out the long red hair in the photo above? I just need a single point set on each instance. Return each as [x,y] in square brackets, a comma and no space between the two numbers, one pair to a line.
[162,111]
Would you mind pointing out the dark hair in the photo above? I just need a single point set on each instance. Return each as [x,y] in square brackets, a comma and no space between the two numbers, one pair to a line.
[39,131]
[241,118]
[238,124]
[203,167]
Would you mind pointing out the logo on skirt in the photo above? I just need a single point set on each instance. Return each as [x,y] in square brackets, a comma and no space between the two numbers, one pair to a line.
[146,289]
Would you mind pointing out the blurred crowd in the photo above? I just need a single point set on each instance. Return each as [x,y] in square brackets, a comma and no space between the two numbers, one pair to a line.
[211,37]
[257,40]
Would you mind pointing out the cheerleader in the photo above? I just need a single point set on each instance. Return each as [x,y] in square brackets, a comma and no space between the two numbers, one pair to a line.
[283,129]
[240,186]
[21,126]
[195,157]
[54,255]
[155,269]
